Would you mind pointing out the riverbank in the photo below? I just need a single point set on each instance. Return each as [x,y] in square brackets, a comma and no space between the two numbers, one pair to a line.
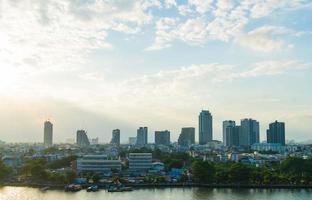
[167,185]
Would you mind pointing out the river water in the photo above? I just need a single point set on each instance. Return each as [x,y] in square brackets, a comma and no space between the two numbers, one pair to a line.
[25,193]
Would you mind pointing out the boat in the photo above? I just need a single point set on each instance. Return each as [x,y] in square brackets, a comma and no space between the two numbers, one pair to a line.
[43,189]
[72,188]
[114,188]
[93,188]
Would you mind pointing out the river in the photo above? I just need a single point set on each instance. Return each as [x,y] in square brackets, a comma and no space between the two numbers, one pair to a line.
[25,193]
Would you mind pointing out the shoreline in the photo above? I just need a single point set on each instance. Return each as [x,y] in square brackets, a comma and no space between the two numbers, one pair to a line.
[168,185]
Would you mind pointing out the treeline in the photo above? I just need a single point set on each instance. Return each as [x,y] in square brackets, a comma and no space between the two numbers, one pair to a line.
[292,171]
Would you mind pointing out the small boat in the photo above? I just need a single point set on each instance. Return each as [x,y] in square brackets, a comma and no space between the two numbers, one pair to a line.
[93,188]
[119,189]
[72,188]
[44,189]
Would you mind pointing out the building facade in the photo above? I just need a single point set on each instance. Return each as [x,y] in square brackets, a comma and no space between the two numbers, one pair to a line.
[232,136]
[140,161]
[162,137]
[82,138]
[250,132]
[187,136]
[276,133]
[48,133]
[116,137]
[97,164]
[142,134]
[226,136]
[205,127]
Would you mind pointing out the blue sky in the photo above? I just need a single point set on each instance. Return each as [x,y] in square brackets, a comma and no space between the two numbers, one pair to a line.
[104,64]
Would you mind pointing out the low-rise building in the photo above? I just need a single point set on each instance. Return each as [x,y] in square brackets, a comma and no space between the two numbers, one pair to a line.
[140,161]
[97,164]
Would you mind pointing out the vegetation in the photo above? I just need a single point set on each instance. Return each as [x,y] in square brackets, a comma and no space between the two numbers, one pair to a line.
[292,171]
[5,171]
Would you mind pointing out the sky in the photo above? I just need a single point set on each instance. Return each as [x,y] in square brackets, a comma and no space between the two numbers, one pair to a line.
[99,65]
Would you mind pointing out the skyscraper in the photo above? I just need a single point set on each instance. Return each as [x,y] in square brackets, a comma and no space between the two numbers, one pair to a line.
[226,137]
[48,133]
[187,136]
[232,135]
[162,137]
[205,127]
[249,133]
[82,138]
[116,137]
[276,133]
[142,133]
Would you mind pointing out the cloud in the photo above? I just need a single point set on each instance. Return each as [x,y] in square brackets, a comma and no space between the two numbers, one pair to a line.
[267,68]
[263,39]
[225,21]
[91,76]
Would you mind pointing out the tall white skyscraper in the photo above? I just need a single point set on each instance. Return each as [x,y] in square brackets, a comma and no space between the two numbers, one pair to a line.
[48,133]
[205,127]
[142,134]
[227,124]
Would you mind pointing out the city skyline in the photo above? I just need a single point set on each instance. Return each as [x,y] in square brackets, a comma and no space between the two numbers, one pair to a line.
[101,65]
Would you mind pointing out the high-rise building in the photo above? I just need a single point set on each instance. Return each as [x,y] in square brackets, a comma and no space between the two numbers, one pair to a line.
[48,133]
[187,136]
[232,135]
[82,138]
[276,133]
[162,137]
[205,127]
[142,133]
[249,133]
[116,137]
[226,137]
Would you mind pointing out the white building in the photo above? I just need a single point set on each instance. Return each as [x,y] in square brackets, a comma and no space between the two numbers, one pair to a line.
[140,161]
[97,164]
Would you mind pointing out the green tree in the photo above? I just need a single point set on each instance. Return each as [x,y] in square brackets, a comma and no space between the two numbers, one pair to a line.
[203,171]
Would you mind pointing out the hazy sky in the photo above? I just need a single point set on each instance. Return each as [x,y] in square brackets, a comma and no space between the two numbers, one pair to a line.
[105,64]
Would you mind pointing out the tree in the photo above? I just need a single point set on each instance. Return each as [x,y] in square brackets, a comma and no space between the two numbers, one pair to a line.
[5,171]
[239,173]
[203,171]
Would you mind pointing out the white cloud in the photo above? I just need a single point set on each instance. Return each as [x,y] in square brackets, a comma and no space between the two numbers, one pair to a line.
[274,67]
[91,76]
[263,39]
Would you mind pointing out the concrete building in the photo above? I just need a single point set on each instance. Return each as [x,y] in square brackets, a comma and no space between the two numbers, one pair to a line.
[116,137]
[162,137]
[132,140]
[277,147]
[205,127]
[142,136]
[276,133]
[140,161]
[249,133]
[82,138]
[232,135]
[187,136]
[226,137]
[48,133]
[97,164]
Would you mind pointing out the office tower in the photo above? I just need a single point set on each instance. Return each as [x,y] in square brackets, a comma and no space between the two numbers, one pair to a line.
[142,136]
[162,137]
[82,138]
[232,135]
[48,133]
[116,137]
[187,136]
[249,133]
[226,137]
[205,127]
[276,133]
